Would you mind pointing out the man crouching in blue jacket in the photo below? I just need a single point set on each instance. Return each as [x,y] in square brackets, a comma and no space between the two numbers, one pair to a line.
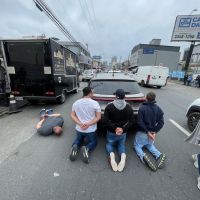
[150,121]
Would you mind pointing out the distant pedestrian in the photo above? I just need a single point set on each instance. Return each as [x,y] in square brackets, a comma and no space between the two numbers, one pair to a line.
[150,122]
[2,79]
[194,138]
[189,79]
[119,118]
[85,113]
[185,78]
[50,123]
[198,81]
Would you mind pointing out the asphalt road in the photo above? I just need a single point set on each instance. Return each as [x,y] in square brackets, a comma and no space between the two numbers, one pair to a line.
[37,168]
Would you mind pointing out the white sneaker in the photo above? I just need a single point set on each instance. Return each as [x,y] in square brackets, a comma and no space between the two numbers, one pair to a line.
[121,165]
[194,157]
[196,164]
[198,182]
[113,162]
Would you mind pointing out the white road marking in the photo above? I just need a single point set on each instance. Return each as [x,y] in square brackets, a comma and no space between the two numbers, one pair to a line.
[179,127]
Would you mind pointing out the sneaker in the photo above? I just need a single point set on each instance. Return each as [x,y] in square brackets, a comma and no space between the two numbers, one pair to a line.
[42,112]
[49,111]
[198,182]
[74,153]
[196,164]
[149,163]
[194,157]
[113,162]
[121,164]
[161,161]
[85,154]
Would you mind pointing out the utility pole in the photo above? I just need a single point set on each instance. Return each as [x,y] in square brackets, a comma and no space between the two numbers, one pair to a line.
[189,55]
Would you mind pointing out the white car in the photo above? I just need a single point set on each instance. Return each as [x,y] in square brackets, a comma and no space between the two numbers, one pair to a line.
[88,74]
[193,114]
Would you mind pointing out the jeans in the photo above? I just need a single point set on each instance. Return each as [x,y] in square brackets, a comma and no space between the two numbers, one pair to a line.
[142,140]
[115,140]
[199,162]
[91,140]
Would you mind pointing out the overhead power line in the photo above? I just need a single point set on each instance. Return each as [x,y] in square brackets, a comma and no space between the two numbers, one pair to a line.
[44,7]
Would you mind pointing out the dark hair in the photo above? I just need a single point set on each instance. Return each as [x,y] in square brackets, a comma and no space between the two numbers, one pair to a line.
[151,96]
[86,91]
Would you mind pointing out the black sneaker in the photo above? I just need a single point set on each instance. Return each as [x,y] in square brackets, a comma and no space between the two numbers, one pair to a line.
[161,161]
[149,163]
[85,154]
[74,153]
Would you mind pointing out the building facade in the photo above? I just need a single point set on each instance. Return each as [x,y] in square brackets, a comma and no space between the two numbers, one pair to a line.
[155,54]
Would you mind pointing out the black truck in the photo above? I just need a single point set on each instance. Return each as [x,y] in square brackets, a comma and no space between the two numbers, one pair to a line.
[40,69]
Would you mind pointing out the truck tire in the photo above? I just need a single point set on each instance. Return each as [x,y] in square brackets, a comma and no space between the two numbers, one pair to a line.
[62,98]
[193,119]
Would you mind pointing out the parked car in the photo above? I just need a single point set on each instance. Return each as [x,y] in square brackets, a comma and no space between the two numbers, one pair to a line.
[105,84]
[193,114]
[151,75]
[88,74]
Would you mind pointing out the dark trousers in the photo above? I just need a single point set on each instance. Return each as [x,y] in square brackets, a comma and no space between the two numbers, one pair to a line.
[89,138]
[199,162]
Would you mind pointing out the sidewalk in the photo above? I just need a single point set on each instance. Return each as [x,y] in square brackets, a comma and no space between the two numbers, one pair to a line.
[180,83]
[3,110]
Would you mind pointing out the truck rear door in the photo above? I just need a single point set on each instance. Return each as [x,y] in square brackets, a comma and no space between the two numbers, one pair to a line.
[29,66]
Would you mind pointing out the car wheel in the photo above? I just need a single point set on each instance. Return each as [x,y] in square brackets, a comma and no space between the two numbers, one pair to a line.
[142,83]
[75,91]
[193,119]
[158,87]
[62,98]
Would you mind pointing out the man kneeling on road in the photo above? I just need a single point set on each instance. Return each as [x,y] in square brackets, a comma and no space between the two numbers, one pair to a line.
[150,122]
[85,113]
[119,118]
[50,123]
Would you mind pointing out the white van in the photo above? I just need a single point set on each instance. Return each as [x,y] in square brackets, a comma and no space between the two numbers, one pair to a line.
[151,75]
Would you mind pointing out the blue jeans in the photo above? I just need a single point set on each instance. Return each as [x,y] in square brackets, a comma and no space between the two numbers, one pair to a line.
[199,162]
[115,140]
[91,140]
[142,140]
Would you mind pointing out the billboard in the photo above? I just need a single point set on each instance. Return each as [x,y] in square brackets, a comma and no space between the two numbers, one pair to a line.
[186,28]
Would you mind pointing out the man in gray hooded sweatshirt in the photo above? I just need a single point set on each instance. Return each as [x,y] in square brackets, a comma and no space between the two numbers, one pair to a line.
[119,118]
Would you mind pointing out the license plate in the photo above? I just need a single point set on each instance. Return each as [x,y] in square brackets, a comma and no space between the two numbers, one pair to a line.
[19,98]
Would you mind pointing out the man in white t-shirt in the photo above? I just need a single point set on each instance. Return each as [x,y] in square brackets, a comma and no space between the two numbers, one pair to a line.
[85,113]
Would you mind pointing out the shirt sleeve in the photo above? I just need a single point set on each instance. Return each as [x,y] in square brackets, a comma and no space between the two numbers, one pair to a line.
[140,121]
[73,107]
[97,107]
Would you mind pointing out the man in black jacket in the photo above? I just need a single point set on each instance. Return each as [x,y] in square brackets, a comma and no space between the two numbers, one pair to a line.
[119,118]
[150,121]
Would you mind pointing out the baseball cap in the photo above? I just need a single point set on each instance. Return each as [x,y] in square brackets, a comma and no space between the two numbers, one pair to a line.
[120,94]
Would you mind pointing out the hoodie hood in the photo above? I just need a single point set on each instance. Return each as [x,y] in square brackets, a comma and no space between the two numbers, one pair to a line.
[120,104]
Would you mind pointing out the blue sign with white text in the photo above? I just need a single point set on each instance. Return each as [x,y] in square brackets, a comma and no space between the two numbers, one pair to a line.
[148,51]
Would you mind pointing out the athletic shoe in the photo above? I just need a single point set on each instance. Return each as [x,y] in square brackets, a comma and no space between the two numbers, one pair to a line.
[196,164]
[149,163]
[74,153]
[194,157]
[113,162]
[161,161]
[85,154]
[121,164]
[49,111]
[198,182]
[42,112]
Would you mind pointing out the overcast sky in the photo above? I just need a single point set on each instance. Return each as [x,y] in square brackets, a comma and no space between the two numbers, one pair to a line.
[112,28]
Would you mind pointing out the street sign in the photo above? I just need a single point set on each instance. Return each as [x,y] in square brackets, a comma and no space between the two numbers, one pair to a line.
[186,28]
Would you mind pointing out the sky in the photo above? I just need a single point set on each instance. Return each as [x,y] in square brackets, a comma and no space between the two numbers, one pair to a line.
[109,27]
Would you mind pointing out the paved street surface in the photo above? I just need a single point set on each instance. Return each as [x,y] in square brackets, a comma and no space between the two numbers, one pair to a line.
[28,162]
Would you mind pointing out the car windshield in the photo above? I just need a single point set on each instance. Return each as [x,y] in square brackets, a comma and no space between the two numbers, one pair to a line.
[109,87]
